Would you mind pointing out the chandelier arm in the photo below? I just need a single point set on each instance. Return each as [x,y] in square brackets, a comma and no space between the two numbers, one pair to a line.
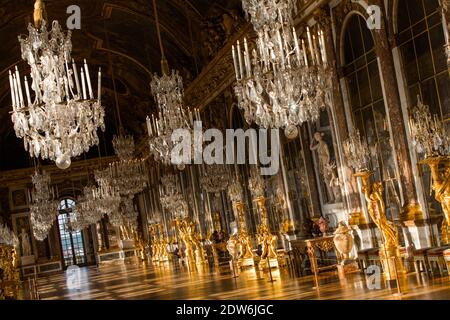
[164,63]
[116,98]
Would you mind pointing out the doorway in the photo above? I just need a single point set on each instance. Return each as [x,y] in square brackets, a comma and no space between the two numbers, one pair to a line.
[72,242]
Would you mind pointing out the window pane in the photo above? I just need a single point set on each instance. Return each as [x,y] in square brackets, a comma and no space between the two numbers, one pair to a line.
[431,6]
[364,88]
[437,45]
[410,63]
[424,56]
[444,94]
[416,12]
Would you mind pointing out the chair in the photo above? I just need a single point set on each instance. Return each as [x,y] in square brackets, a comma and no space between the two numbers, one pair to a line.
[363,259]
[420,260]
[374,256]
[436,259]
[447,260]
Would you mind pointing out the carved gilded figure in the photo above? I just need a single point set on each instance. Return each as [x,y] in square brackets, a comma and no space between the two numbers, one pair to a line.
[441,188]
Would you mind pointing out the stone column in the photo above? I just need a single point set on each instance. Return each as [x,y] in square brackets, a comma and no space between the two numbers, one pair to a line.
[383,47]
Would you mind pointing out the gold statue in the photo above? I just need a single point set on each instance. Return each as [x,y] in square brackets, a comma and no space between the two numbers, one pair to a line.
[267,241]
[376,208]
[190,238]
[441,188]
[243,236]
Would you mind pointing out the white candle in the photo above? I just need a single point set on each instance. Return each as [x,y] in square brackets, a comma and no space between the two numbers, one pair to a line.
[16,91]
[27,91]
[77,81]
[236,71]
[99,93]
[324,48]
[11,85]
[247,59]
[19,87]
[311,51]
[316,52]
[88,79]
[149,127]
[241,67]
[83,84]
[297,47]
[305,54]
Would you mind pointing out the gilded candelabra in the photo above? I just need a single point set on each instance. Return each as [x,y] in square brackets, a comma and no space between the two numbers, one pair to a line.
[9,278]
[357,153]
[191,239]
[243,236]
[267,240]
[159,243]
[431,137]
[441,188]
[390,251]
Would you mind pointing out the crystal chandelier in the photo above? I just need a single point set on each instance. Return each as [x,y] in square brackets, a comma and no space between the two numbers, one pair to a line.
[129,214]
[235,192]
[128,176]
[168,93]
[61,120]
[43,208]
[280,84]
[171,198]
[215,179]
[86,211]
[256,184]
[356,152]
[7,237]
[429,134]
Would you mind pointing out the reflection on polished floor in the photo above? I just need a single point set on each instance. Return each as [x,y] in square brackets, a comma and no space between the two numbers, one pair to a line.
[170,281]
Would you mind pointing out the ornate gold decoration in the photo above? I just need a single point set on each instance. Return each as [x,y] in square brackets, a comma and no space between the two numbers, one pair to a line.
[389,253]
[243,236]
[267,240]
[39,13]
[9,278]
[191,239]
[159,243]
[441,188]
[356,218]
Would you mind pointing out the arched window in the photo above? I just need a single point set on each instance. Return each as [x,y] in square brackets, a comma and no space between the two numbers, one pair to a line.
[421,42]
[420,38]
[367,105]
[72,242]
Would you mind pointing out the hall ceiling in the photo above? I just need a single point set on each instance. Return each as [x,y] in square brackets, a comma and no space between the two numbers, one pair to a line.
[123,31]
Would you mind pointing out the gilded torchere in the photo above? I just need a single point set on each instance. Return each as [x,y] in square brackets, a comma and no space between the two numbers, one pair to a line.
[9,277]
[235,192]
[431,137]
[159,243]
[357,156]
[441,188]
[267,240]
[246,255]
[390,251]
[191,239]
